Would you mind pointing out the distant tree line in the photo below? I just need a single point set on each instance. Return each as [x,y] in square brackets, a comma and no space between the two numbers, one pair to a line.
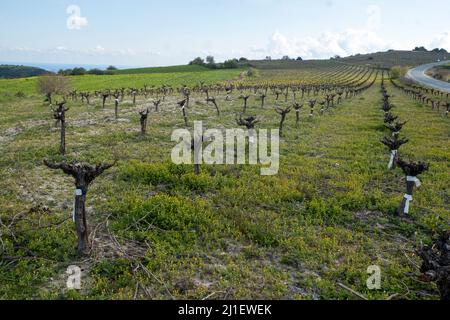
[82,71]
[210,63]
[423,49]
[284,58]
[242,62]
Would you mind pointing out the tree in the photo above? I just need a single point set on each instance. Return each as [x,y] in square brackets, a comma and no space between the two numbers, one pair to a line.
[437,50]
[78,71]
[283,113]
[411,170]
[105,96]
[299,59]
[156,104]
[420,49]
[213,101]
[50,85]
[84,174]
[143,120]
[97,71]
[285,58]
[263,98]
[250,123]
[245,98]
[231,64]
[394,145]
[111,68]
[211,63]
[65,72]
[182,104]
[436,264]
[59,114]
[210,60]
[116,96]
[197,61]
[297,107]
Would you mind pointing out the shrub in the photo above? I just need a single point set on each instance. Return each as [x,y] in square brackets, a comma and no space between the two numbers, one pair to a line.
[53,84]
[398,72]
[197,61]
[78,72]
[169,175]
[231,64]
[253,73]
[162,211]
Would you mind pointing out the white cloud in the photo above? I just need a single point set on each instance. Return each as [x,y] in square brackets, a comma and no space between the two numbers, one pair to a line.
[99,48]
[21,49]
[328,44]
[75,21]
[441,41]
[126,52]
[151,52]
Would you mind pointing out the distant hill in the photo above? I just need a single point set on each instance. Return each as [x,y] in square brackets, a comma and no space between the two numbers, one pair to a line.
[171,69]
[288,64]
[380,59]
[12,72]
[397,58]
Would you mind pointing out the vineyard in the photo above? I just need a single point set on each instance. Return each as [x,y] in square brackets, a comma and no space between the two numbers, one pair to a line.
[87,180]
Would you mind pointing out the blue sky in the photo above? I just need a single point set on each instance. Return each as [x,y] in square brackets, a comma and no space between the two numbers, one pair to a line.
[152,33]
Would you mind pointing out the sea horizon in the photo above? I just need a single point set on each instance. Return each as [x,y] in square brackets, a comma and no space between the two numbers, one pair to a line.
[55,67]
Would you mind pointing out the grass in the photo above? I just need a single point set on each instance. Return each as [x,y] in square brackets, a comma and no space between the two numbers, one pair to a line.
[326,217]
[171,69]
[137,80]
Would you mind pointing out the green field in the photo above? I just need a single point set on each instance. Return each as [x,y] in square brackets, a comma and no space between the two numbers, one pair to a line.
[138,80]
[161,232]
[170,69]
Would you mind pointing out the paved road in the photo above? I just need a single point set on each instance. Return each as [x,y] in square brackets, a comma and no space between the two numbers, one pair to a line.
[418,74]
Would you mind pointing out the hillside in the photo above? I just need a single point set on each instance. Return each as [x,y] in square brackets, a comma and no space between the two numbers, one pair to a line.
[290,64]
[396,58]
[380,59]
[12,72]
[170,69]
[440,73]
